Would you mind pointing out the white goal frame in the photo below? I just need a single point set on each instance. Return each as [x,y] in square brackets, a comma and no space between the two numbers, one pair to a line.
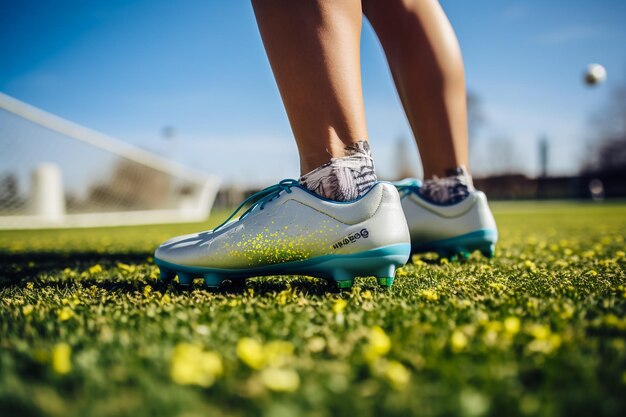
[197,211]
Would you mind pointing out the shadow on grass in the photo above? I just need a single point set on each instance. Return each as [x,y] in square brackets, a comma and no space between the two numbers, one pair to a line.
[16,270]
[26,266]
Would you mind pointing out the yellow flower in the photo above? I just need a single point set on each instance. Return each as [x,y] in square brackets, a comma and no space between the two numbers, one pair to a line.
[458,341]
[430,295]
[65,314]
[397,375]
[62,358]
[316,344]
[401,272]
[280,380]
[497,286]
[147,290]
[165,299]
[125,267]
[540,332]
[378,345]
[190,365]
[277,352]
[512,325]
[95,269]
[27,309]
[340,305]
[30,286]
[250,351]
[530,265]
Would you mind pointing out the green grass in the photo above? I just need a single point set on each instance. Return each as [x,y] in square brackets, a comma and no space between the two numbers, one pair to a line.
[540,330]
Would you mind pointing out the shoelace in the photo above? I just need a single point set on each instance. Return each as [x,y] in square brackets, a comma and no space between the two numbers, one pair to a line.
[407,186]
[261,198]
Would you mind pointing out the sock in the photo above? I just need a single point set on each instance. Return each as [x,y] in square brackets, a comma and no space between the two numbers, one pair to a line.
[453,188]
[346,178]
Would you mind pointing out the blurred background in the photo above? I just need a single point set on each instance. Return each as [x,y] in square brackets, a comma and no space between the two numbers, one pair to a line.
[159,109]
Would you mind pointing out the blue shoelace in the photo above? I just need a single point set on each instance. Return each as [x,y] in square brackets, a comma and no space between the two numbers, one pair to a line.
[259,199]
[407,186]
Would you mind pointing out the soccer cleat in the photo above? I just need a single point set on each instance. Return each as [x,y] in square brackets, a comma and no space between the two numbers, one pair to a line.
[288,230]
[454,230]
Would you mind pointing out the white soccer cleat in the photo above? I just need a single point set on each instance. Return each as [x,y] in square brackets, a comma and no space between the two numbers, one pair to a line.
[288,230]
[450,230]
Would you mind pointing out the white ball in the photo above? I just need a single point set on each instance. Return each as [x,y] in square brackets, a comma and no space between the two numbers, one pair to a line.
[595,74]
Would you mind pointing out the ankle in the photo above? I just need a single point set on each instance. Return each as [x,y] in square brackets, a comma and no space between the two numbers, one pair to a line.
[452,188]
[345,178]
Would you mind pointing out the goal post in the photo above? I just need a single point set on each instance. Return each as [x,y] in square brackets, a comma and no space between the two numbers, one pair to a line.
[56,173]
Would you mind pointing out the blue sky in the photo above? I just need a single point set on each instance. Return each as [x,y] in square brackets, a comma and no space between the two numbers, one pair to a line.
[129,68]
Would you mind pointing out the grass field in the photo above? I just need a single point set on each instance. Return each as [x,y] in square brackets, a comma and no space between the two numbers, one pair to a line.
[86,329]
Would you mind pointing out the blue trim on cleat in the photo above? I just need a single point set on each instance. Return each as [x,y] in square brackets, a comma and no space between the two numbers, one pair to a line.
[166,275]
[342,268]
[463,245]
[185,279]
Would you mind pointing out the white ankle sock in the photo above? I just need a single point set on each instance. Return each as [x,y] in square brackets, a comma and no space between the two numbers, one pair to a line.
[453,188]
[346,178]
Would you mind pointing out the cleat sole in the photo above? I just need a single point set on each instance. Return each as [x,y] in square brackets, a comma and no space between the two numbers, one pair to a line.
[341,268]
[461,247]
[488,251]
[185,279]
[166,275]
[213,280]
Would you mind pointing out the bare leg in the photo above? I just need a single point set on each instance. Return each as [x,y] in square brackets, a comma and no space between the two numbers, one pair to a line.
[313,48]
[426,64]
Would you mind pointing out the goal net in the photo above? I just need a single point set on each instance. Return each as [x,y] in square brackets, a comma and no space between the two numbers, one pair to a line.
[55,173]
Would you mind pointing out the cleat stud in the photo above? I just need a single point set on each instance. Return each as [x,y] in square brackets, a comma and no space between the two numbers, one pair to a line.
[385,281]
[343,278]
[489,251]
[344,284]
[385,275]
[464,255]
[386,271]
[185,278]
[166,275]
[213,280]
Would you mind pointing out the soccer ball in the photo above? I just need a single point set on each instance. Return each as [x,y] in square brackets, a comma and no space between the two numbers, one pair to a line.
[595,74]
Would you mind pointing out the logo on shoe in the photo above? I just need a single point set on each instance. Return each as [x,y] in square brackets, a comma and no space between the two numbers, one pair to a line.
[363,233]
